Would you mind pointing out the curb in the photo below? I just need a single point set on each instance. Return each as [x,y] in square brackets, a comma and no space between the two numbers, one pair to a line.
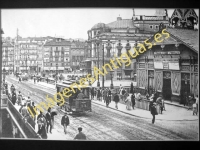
[144,117]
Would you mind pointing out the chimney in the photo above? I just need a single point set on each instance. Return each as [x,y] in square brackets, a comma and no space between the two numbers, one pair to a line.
[119,18]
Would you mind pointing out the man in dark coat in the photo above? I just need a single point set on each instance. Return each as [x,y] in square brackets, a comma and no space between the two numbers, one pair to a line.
[92,93]
[116,99]
[109,95]
[65,122]
[133,100]
[14,98]
[6,88]
[153,112]
[49,120]
[80,135]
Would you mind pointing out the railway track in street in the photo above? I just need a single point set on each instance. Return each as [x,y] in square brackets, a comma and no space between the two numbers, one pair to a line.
[104,123]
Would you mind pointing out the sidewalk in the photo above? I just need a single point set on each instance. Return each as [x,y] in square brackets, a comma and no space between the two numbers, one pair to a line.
[172,111]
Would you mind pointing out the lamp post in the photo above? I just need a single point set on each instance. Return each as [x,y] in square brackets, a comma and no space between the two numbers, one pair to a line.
[97,41]
[56,71]
[111,75]
[103,65]
[119,48]
[37,67]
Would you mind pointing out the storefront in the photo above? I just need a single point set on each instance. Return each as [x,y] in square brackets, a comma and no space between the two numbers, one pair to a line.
[171,70]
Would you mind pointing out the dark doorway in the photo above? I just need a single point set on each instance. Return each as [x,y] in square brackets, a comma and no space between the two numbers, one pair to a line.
[166,91]
[185,86]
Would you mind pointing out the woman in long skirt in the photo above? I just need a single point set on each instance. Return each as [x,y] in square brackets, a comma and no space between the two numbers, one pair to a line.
[128,102]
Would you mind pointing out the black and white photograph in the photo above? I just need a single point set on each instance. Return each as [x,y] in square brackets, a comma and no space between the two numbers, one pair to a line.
[99,74]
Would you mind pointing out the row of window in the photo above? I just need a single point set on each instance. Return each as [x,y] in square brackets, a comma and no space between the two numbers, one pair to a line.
[54,64]
[77,58]
[153,26]
[7,48]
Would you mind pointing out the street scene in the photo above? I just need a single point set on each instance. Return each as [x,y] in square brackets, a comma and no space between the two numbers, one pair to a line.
[117,75]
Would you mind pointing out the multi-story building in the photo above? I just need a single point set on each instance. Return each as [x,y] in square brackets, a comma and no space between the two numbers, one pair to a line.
[76,54]
[116,38]
[56,56]
[171,67]
[8,56]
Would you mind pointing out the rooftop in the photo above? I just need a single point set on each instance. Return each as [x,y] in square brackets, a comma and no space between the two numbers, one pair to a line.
[189,37]
[56,42]
[100,25]
[124,23]
[7,44]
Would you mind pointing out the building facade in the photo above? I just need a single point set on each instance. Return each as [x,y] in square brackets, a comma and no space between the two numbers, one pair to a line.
[171,67]
[118,37]
[56,56]
[76,54]
[8,56]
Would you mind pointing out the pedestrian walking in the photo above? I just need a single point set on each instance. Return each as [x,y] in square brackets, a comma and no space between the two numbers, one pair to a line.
[14,97]
[33,109]
[24,111]
[34,78]
[102,94]
[65,122]
[128,102]
[107,99]
[92,93]
[49,120]
[185,98]
[19,101]
[194,107]
[80,135]
[6,88]
[116,99]
[95,92]
[160,103]
[109,95]
[42,127]
[197,102]
[28,101]
[20,80]
[133,100]
[154,112]
[105,95]
[98,94]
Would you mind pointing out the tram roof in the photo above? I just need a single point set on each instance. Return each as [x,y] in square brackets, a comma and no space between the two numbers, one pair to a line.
[68,85]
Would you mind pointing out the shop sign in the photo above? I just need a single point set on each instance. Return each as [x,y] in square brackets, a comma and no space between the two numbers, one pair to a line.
[167,53]
[172,64]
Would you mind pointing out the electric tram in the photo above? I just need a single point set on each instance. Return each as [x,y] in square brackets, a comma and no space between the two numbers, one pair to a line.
[72,104]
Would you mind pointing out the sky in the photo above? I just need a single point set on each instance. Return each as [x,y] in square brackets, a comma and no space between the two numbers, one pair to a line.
[64,22]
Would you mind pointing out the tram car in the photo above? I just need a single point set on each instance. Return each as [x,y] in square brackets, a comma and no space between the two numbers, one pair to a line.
[72,104]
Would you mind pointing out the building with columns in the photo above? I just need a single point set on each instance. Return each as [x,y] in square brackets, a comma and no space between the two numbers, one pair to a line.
[105,41]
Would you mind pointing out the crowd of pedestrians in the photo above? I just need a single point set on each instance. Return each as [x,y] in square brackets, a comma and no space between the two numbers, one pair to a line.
[29,114]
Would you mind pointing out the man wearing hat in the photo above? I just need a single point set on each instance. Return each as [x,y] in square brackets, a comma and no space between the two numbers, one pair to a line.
[154,112]
[65,122]
[80,135]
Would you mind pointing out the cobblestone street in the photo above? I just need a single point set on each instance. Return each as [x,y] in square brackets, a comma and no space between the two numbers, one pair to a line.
[107,124]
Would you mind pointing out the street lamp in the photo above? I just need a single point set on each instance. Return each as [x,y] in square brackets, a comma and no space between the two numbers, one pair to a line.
[103,65]
[56,71]
[111,75]
[97,41]
[119,48]
[37,67]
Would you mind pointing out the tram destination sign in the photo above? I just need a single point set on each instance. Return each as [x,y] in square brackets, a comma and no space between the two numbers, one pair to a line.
[168,52]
